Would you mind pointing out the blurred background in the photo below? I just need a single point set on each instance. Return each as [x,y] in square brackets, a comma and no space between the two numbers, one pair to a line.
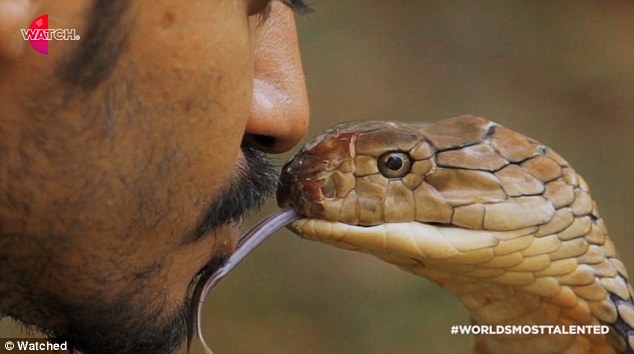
[560,72]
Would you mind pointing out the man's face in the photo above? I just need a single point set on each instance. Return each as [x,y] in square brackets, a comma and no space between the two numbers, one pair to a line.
[128,158]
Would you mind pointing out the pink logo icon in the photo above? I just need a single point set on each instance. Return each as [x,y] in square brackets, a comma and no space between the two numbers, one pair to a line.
[37,34]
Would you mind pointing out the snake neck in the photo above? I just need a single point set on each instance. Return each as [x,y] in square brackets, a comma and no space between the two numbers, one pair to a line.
[530,276]
[544,299]
[503,305]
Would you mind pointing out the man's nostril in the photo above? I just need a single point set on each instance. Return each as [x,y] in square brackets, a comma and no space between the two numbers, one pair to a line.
[262,142]
[265,140]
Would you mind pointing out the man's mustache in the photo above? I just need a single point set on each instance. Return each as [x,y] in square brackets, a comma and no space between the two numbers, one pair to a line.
[254,181]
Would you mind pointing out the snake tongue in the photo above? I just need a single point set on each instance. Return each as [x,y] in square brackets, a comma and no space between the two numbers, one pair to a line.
[246,244]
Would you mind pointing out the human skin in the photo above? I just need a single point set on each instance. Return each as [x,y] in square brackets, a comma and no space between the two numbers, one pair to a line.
[119,184]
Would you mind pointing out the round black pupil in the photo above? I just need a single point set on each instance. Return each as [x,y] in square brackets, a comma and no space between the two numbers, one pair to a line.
[394,163]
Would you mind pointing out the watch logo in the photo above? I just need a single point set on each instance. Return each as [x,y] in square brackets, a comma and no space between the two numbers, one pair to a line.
[38,34]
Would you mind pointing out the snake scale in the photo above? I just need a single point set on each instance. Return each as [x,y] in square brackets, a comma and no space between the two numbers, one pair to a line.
[500,220]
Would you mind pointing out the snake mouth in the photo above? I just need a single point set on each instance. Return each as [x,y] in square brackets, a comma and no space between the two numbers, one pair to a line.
[416,245]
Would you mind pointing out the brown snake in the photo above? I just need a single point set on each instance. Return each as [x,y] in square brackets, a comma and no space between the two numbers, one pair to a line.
[500,220]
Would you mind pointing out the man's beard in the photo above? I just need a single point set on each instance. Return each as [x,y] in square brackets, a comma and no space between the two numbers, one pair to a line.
[118,327]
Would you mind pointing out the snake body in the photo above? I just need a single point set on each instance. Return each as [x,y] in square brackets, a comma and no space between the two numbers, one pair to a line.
[500,220]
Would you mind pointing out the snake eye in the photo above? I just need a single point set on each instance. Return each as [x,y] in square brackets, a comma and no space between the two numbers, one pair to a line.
[395,164]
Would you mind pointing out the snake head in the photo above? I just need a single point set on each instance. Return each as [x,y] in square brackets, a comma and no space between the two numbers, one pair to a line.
[467,172]
[454,191]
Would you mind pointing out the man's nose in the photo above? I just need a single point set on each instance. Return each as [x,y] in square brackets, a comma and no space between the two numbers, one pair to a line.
[279,112]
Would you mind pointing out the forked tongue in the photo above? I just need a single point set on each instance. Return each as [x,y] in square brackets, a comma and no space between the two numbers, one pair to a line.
[246,243]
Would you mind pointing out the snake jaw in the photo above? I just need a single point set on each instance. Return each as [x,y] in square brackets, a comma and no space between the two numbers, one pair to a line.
[422,248]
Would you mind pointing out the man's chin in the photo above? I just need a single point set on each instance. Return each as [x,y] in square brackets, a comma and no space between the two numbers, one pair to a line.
[126,330]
